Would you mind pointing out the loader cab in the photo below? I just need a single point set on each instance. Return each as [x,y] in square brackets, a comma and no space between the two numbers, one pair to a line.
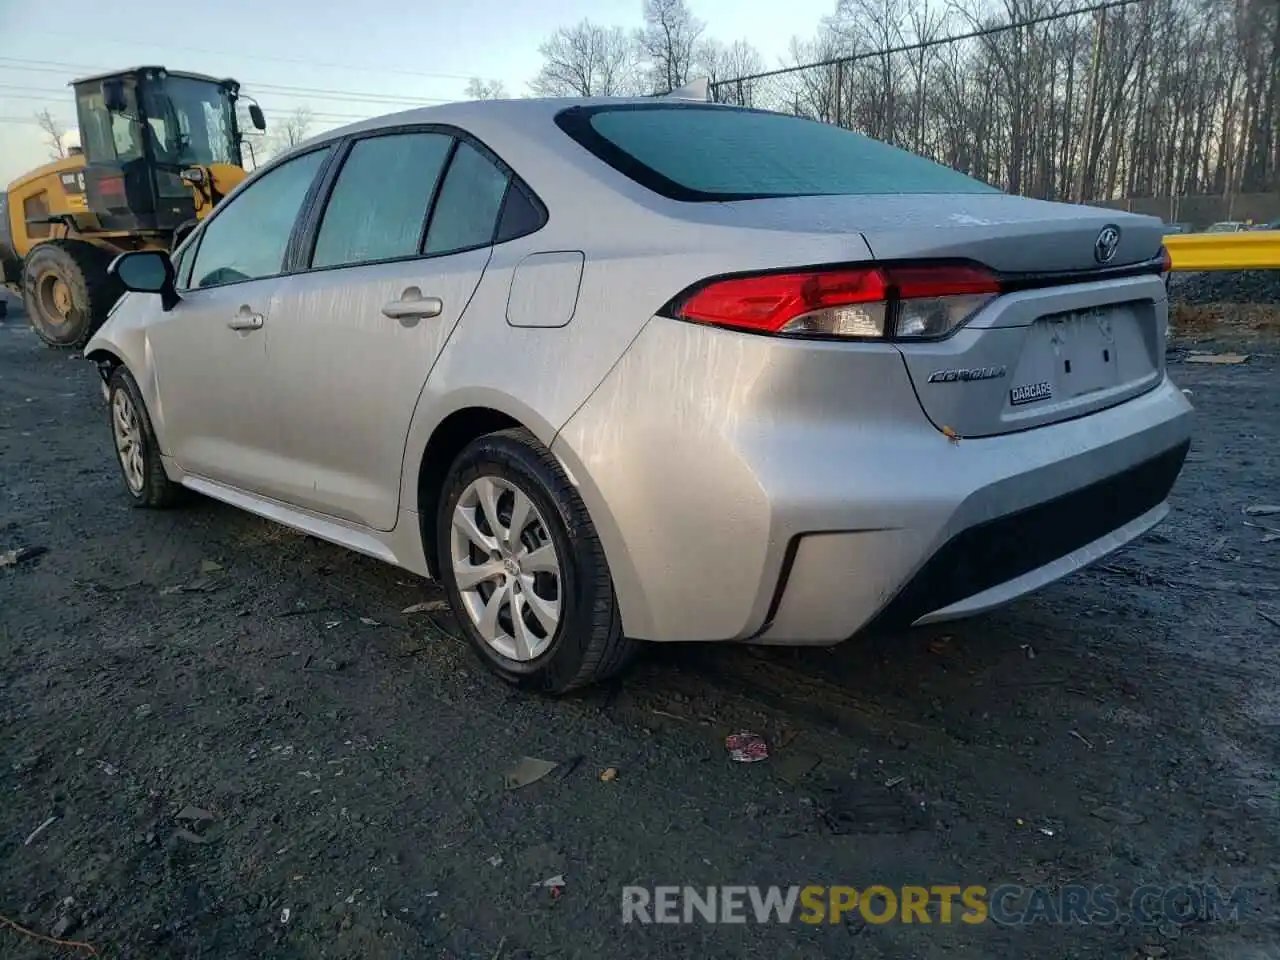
[139,130]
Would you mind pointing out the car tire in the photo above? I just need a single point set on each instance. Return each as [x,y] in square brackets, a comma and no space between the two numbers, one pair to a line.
[134,439]
[585,644]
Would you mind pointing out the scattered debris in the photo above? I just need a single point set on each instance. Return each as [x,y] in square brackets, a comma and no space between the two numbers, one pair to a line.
[745,747]
[950,434]
[429,606]
[1253,510]
[370,622]
[209,566]
[556,881]
[39,830]
[495,860]
[355,893]
[107,768]
[201,584]
[894,781]
[1029,650]
[194,814]
[61,928]
[1046,831]
[285,914]
[609,774]
[332,623]
[528,770]
[1083,739]
[1115,815]
[794,767]
[11,558]
[143,710]
[1218,358]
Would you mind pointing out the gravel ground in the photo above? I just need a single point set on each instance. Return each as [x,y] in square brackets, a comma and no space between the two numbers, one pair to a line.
[251,752]
[1226,286]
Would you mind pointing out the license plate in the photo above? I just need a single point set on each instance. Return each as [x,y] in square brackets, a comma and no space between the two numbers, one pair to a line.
[1083,347]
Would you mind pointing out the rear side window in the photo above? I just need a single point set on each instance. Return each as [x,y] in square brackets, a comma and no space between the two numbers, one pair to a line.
[379,202]
[694,152]
[466,212]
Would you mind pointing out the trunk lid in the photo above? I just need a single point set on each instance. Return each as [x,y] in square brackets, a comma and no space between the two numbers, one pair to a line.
[1070,339]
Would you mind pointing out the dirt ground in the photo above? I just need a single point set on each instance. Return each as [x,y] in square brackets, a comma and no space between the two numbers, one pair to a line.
[250,751]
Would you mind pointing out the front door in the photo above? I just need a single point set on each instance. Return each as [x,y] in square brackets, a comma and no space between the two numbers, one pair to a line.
[353,338]
[211,347]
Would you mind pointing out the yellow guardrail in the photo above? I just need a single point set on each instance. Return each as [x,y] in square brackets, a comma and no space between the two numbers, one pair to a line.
[1245,250]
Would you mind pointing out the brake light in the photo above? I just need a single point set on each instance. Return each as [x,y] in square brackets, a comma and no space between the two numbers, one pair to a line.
[1166,260]
[111,186]
[910,301]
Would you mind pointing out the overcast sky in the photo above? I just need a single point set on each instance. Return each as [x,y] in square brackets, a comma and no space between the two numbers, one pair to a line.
[284,51]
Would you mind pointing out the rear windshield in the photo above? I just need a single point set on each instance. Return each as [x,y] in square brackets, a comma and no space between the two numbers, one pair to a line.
[696,152]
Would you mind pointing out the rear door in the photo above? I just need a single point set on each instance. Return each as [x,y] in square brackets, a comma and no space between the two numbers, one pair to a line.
[209,352]
[397,252]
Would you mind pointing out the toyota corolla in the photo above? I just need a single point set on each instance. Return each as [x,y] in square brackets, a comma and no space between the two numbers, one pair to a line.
[622,371]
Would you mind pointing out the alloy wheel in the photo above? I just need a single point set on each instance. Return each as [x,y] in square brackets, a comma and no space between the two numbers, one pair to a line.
[506,568]
[127,429]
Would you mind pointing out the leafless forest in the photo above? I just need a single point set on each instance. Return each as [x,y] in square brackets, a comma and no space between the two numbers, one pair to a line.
[1137,98]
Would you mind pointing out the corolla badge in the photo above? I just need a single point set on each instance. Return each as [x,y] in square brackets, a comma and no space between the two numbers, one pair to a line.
[1104,248]
[967,374]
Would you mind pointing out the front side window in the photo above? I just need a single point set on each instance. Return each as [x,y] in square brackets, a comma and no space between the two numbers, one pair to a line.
[710,153]
[247,240]
[466,212]
[379,201]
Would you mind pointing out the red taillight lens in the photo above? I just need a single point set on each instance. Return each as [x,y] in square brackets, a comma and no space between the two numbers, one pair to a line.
[904,301]
[111,186]
[1166,260]
[770,302]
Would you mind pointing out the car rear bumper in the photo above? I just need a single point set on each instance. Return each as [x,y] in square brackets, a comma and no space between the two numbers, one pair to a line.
[790,492]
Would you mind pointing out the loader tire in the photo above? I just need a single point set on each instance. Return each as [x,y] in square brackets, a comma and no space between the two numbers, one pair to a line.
[66,291]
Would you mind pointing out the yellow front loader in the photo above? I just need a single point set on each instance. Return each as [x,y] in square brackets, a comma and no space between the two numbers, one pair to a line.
[158,149]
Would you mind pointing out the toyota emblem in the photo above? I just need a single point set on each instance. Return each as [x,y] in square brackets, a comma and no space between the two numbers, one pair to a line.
[1104,248]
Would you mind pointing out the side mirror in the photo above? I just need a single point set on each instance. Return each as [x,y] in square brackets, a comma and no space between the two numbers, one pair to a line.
[255,115]
[113,97]
[146,271]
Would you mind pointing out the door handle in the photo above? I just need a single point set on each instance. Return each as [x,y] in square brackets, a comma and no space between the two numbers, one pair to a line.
[412,305]
[245,319]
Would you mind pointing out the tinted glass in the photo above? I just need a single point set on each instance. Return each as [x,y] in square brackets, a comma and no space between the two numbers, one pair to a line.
[709,153]
[519,216]
[379,203]
[248,239]
[467,210]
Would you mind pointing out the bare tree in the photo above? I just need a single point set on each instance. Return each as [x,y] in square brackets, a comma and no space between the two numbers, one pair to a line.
[55,134]
[588,60]
[292,130]
[669,40]
[478,89]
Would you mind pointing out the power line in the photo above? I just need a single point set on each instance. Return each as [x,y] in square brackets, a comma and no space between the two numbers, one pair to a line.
[342,95]
[225,53]
[925,44]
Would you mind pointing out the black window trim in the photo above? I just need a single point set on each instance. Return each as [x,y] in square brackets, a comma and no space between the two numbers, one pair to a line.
[576,123]
[309,232]
[308,199]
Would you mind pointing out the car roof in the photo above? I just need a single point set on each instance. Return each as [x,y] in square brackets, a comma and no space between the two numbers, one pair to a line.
[466,113]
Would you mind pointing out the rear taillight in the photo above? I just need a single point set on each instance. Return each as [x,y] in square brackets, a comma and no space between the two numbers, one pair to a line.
[111,186]
[1166,263]
[895,301]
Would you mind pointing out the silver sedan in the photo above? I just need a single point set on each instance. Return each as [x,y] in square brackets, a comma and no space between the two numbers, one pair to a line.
[618,371]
